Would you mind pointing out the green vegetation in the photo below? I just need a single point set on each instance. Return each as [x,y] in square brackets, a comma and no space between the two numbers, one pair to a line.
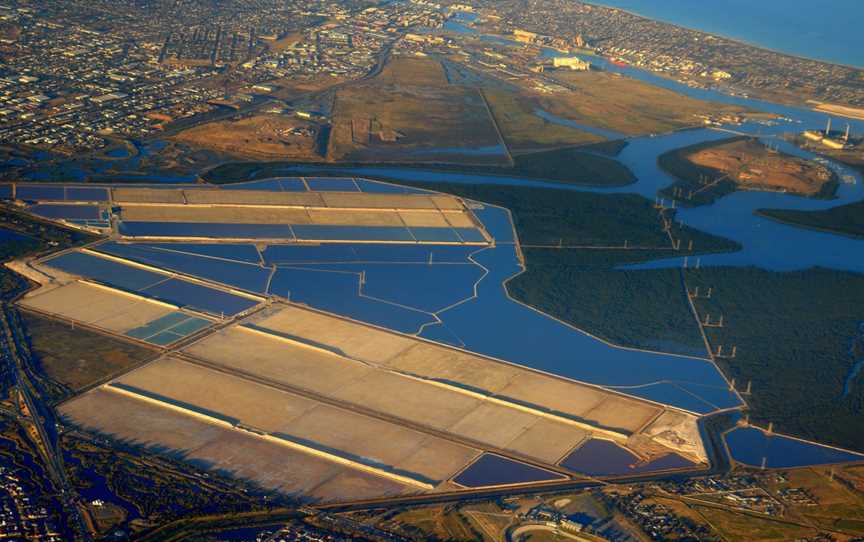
[844,219]
[798,338]
[573,165]
[74,358]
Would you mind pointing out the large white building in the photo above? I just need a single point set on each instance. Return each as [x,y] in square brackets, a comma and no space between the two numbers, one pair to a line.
[570,62]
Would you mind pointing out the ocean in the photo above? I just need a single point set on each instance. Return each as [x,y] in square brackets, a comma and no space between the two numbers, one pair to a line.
[829,30]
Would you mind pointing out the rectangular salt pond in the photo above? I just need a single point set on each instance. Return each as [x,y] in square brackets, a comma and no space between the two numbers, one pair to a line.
[601,457]
[752,446]
[169,328]
[337,252]
[470,235]
[150,284]
[82,193]
[40,192]
[375,187]
[200,298]
[494,470]
[61,211]
[241,252]
[207,230]
[105,271]
[314,232]
[334,184]
[242,275]
[436,235]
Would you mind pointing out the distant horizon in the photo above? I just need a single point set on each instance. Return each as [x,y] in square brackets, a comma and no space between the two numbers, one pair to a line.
[840,23]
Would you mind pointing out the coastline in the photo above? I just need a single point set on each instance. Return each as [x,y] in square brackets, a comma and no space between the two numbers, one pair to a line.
[741,41]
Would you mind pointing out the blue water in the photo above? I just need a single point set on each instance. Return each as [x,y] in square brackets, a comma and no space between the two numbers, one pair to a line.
[751,445]
[600,457]
[200,298]
[120,152]
[154,285]
[339,292]
[10,235]
[78,212]
[242,275]
[489,150]
[829,31]
[494,470]
[235,252]
[554,119]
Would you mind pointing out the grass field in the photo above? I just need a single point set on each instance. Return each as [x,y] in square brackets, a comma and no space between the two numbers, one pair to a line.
[741,527]
[409,113]
[622,104]
[523,130]
[75,357]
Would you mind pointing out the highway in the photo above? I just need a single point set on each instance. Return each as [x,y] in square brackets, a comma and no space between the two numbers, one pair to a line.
[40,416]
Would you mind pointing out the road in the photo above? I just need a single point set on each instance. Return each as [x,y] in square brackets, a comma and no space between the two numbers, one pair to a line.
[40,416]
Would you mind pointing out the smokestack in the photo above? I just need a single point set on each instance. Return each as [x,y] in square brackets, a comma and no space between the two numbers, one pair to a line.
[846,137]
[828,128]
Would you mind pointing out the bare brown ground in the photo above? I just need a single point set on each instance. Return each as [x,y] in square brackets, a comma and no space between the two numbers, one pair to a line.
[77,357]
[97,306]
[213,391]
[342,200]
[147,195]
[261,137]
[523,130]
[409,113]
[753,166]
[417,71]
[222,214]
[291,87]
[432,361]
[272,214]
[320,426]
[221,449]
[328,375]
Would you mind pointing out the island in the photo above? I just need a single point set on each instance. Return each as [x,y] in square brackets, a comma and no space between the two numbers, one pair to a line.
[710,170]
